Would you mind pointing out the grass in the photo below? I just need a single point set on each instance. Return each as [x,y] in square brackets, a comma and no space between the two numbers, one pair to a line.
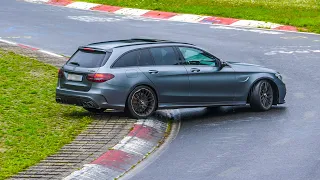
[32,125]
[301,13]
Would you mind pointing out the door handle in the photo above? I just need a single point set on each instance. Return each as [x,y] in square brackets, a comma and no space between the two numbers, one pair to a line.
[195,70]
[153,71]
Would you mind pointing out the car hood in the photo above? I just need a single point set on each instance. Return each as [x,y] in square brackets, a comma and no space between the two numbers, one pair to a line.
[245,67]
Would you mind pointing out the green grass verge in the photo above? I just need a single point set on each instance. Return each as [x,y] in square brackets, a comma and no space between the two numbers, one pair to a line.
[301,13]
[32,125]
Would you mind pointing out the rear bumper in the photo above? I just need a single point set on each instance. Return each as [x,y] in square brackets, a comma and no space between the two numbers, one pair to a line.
[84,99]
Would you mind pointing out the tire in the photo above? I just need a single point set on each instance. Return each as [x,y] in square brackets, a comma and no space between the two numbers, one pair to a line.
[261,96]
[141,103]
[213,108]
[94,110]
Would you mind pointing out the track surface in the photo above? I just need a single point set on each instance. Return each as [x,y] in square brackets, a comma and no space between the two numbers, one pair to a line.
[230,143]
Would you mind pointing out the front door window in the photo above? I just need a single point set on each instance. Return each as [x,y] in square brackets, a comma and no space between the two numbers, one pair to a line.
[194,56]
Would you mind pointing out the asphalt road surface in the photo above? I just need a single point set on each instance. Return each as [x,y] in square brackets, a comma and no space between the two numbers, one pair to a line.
[230,143]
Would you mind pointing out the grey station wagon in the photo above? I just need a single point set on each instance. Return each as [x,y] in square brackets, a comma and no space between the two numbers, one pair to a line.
[140,76]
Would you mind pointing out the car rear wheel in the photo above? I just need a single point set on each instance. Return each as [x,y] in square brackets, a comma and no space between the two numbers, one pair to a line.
[94,110]
[142,102]
[261,97]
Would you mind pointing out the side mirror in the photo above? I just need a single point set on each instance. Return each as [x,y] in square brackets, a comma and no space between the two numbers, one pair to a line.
[222,65]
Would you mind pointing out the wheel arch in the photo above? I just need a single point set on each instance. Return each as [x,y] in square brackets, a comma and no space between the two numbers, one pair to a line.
[273,85]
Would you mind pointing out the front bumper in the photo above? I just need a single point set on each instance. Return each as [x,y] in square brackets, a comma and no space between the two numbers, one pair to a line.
[282,93]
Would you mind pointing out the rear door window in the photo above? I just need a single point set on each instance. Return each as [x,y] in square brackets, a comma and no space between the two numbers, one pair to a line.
[164,56]
[145,58]
[89,59]
[127,60]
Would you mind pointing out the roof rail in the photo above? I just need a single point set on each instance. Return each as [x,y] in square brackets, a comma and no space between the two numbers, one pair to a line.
[161,42]
[146,41]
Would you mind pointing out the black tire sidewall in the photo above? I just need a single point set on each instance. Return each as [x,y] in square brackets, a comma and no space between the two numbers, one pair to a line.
[129,108]
[255,101]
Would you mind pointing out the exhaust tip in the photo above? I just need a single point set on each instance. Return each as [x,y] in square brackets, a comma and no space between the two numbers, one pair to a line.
[58,100]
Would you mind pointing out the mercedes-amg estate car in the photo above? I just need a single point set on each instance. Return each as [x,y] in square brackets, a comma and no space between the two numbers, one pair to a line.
[140,76]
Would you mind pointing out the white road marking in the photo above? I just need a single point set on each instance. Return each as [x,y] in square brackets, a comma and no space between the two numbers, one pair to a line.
[246,30]
[82,5]
[50,53]
[297,51]
[93,19]
[8,42]
[17,37]
[229,171]
[309,115]
[109,19]
[294,37]
[299,95]
[37,1]
[187,18]
[131,11]
[252,23]
[138,18]
[134,145]
[157,125]
[281,142]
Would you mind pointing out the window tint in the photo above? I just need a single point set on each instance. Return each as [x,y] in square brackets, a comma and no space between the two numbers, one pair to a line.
[194,56]
[145,58]
[88,59]
[127,60]
[164,56]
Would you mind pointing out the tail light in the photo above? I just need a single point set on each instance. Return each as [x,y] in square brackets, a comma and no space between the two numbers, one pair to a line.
[99,77]
[60,73]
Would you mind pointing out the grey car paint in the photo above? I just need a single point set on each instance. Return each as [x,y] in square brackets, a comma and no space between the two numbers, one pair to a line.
[175,85]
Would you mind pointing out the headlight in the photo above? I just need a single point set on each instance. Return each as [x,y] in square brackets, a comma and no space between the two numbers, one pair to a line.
[278,75]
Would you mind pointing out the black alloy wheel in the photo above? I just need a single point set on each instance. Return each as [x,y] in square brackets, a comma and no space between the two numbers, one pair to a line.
[261,96]
[142,102]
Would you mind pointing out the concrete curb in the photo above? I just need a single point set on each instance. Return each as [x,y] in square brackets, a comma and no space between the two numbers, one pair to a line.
[191,18]
[143,139]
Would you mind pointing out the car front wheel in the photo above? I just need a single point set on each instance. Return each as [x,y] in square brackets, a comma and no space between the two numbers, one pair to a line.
[261,97]
[142,102]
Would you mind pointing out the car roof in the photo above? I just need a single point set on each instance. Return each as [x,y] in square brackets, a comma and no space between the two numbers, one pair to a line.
[106,45]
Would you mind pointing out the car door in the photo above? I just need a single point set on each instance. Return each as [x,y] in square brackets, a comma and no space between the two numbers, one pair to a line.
[161,65]
[208,83]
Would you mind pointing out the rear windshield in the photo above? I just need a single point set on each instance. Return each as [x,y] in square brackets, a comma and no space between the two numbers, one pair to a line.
[89,59]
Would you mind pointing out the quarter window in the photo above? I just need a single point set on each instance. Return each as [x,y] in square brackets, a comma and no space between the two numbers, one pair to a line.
[127,60]
[194,56]
[164,56]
